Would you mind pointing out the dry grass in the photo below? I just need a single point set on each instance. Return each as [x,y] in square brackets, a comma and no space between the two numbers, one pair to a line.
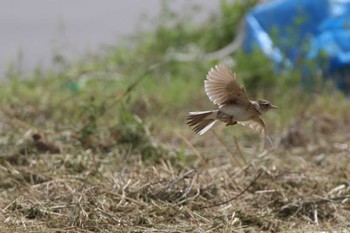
[213,183]
[86,148]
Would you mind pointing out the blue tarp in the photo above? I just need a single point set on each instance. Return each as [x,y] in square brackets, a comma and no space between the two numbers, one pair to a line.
[290,31]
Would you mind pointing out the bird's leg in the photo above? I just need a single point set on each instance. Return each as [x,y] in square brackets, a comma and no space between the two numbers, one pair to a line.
[231,123]
[228,119]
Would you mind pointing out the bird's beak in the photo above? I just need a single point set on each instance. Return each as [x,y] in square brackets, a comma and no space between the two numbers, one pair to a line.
[274,106]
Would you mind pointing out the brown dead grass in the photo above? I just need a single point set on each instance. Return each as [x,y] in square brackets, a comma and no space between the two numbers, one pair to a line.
[214,183]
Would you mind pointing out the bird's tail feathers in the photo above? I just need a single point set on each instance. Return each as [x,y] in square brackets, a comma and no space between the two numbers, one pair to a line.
[201,121]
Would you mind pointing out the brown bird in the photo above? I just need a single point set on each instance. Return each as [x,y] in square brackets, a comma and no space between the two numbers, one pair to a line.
[222,88]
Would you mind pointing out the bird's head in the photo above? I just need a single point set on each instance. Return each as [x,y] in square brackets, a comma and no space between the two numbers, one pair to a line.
[264,106]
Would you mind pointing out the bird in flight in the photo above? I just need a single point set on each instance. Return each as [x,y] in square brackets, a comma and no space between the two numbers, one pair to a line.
[234,106]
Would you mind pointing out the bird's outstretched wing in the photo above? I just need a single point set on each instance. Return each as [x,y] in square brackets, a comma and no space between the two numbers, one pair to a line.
[222,87]
[256,124]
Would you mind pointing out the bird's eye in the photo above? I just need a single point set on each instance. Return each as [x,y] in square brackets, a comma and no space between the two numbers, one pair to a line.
[266,105]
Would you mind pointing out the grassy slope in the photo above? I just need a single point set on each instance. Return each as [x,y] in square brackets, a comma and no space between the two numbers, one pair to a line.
[127,161]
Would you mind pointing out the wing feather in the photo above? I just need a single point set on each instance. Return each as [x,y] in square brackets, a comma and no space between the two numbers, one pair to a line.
[221,87]
[256,124]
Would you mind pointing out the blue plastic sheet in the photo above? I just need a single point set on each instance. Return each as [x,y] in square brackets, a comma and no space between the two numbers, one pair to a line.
[290,31]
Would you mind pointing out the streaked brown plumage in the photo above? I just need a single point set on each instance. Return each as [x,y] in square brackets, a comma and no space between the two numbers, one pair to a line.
[234,106]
